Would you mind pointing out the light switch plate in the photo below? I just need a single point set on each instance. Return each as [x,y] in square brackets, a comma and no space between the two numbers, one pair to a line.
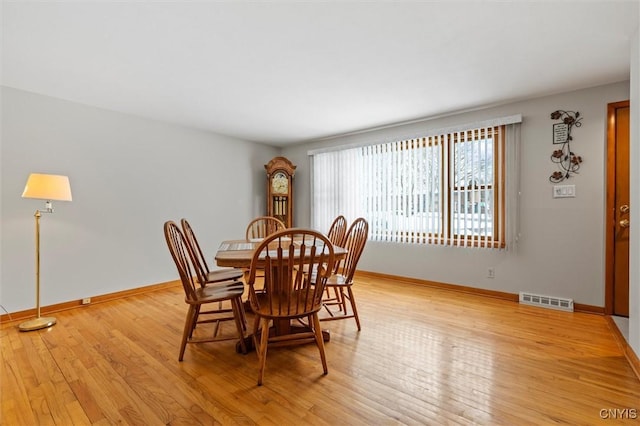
[564,191]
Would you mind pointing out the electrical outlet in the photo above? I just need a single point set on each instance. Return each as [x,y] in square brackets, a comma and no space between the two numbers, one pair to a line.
[491,273]
[86,300]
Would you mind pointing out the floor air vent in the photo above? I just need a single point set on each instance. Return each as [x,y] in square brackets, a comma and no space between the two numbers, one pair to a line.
[546,301]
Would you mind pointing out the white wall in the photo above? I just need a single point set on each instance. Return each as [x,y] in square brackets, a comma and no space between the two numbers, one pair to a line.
[561,252]
[128,176]
[634,250]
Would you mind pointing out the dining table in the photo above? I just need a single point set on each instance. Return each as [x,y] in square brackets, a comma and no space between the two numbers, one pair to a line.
[239,254]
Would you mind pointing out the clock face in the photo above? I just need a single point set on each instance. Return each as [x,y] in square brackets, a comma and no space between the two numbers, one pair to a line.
[280,183]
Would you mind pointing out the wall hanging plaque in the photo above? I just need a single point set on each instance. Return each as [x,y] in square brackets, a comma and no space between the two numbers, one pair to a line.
[568,161]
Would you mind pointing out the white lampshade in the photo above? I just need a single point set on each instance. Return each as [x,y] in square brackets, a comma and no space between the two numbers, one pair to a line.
[47,187]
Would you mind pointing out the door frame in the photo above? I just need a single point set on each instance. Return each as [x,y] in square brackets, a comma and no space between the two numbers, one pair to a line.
[610,205]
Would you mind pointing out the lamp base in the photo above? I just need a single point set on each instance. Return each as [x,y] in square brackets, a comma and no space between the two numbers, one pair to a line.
[37,323]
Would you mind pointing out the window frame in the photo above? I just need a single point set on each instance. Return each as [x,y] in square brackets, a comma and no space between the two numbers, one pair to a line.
[419,208]
[497,185]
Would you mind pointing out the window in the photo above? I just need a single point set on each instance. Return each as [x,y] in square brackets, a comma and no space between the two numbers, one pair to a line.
[447,189]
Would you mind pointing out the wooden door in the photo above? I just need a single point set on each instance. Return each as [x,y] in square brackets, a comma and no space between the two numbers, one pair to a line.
[617,285]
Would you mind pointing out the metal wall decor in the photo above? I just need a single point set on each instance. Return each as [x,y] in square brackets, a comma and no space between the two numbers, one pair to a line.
[568,161]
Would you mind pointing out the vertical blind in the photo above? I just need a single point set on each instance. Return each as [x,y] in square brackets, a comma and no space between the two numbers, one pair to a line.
[445,189]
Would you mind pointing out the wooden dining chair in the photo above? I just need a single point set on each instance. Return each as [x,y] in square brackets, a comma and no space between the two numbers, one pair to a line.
[206,276]
[263,226]
[342,278]
[197,295]
[288,291]
[337,230]
[336,234]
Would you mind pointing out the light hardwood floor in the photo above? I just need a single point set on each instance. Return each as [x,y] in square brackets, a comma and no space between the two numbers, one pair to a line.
[424,356]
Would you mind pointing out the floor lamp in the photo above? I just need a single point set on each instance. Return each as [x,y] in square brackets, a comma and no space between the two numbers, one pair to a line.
[43,187]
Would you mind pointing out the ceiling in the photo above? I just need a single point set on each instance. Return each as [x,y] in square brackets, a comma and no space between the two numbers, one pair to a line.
[287,72]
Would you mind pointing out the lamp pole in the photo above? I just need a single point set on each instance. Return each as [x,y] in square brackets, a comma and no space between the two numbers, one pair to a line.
[38,322]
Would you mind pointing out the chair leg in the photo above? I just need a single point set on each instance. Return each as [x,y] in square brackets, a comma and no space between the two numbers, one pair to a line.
[262,349]
[195,322]
[216,329]
[241,326]
[192,315]
[336,294]
[343,302]
[243,313]
[256,326]
[328,293]
[353,307]
[319,341]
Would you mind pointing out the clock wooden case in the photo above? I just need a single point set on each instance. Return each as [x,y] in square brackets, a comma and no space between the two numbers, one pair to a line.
[280,173]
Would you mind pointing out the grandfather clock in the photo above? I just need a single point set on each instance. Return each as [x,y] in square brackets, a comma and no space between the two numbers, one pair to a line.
[280,173]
